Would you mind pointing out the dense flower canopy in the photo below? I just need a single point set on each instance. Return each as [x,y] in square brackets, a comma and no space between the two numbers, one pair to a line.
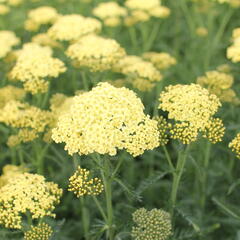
[27,192]
[104,120]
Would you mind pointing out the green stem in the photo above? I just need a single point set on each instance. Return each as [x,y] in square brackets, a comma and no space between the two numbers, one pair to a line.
[213,44]
[149,42]
[107,177]
[189,18]
[100,208]
[85,81]
[205,175]
[133,36]
[85,219]
[182,157]
[168,159]
[108,193]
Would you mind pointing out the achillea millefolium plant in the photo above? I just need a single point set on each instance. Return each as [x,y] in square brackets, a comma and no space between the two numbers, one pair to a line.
[119,120]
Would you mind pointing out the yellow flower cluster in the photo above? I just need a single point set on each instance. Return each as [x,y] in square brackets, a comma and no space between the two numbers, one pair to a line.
[73,27]
[4,9]
[235,145]
[233,52]
[12,2]
[8,40]
[184,132]
[220,84]
[9,93]
[189,103]
[161,60]
[142,11]
[27,193]
[40,16]
[10,171]
[43,39]
[104,120]
[30,120]
[24,135]
[141,74]
[81,184]
[151,225]
[233,3]
[110,13]
[95,52]
[34,64]
[40,232]
[202,31]
[163,128]
[214,130]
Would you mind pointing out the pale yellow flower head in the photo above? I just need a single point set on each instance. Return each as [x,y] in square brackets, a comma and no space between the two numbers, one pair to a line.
[27,193]
[235,145]
[202,31]
[10,171]
[233,52]
[220,84]
[24,135]
[34,64]
[142,74]
[104,120]
[142,4]
[189,103]
[81,184]
[95,52]
[43,39]
[40,16]
[8,40]
[22,115]
[142,11]
[160,60]
[110,13]
[4,9]
[72,27]
[9,93]
[40,232]
[233,3]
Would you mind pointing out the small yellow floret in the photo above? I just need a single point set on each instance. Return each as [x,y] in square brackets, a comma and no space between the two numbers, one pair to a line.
[81,184]
[40,232]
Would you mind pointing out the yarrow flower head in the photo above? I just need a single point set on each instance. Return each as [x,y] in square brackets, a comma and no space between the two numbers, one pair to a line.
[10,171]
[8,40]
[4,9]
[141,11]
[73,27]
[34,64]
[141,74]
[110,12]
[81,183]
[190,109]
[40,232]
[151,225]
[9,93]
[40,16]
[104,120]
[160,60]
[189,103]
[30,120]
[96,53]
[233,52]
[43,39]
[27,193]
[233,3]
[220,84]
[235,145]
